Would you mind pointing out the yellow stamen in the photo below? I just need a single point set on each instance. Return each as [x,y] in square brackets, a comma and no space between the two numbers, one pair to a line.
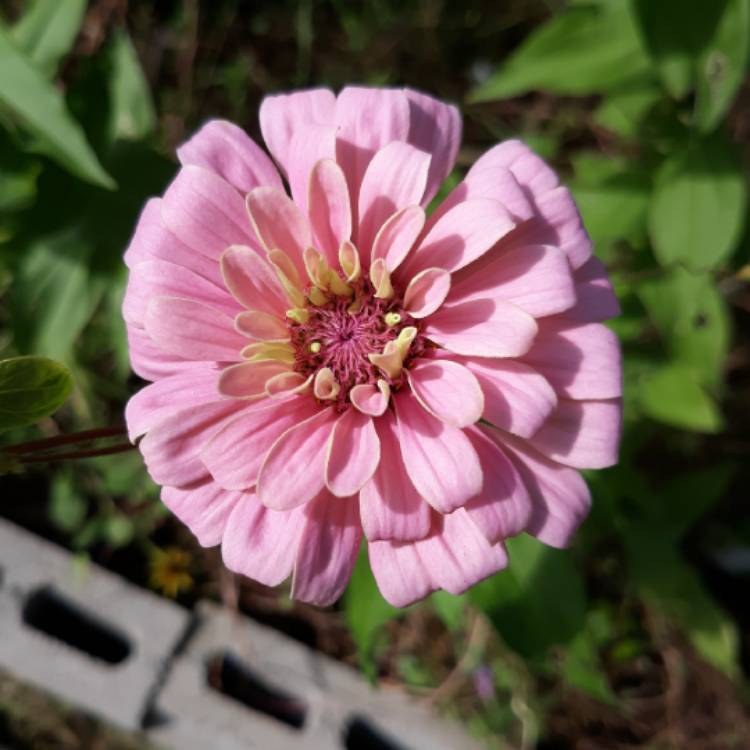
[392,319]
[325,386]
[381,279]
[349,261]
[262,351]
[317,296]
[298,315]
[315,347]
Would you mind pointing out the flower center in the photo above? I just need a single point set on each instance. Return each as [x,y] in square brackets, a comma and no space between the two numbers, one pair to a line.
[343,332]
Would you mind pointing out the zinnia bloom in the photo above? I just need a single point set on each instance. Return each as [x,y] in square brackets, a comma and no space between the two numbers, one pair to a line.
[332,361]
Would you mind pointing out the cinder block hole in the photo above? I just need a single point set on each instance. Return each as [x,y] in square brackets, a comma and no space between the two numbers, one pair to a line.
[226,674]
[362,734]
[50,612]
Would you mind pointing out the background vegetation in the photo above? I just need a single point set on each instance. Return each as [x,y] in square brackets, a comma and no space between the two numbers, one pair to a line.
[638,635]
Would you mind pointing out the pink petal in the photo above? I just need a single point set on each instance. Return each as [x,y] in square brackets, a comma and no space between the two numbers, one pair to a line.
[369,399]
[434,127]
[399,572]
[205,509]
[205,212]
[536,278]
[390,506]
[261,326]
[582,434]
[282,115]
[447,390]
[309,145]
[235,453]
[368,119]
[502,508]
[560,497]
[167,396]
[279,224]
[353,453]
[152,278]
[596,300]
[462,235]
[251,280]
[327,550]
[251,540]
[579,361]
[329,208]
[192,330]
[153,241]
[149,360]
[426,292]
[516,397]
[439,459]
[227,150]
[172,449]
[398,234]
[394,179]
[483,328]
[248,379]
[292,472]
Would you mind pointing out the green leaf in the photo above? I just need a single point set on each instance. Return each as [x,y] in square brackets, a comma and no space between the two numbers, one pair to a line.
[698,208]
[721,67]
[66,509]
[624,110]
[584,50]
[53,295]
[691,314]
[449,608]
[673,395]
[538,601]
[31,388]
[118,530]
[40,107]
[675,32]
[133,115]
[366,612]
[581,664]
[47,31]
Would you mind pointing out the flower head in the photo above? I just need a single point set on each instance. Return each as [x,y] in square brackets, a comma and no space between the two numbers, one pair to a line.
[331,361]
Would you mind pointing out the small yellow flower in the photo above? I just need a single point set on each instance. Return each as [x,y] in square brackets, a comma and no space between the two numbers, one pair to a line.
[170,571]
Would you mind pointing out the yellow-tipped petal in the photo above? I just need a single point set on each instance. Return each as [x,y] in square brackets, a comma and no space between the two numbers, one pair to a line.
[298,315]
[381,279]
[262,351]
[317,296]
[284,263]
[404,339]
[337,286]
[325,386]
[392,319]
[349,261]
[356,306]
[317,267]
[287,383]
[390,361]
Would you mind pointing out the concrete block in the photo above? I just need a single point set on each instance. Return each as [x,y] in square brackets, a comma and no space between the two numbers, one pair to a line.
[45,597]
[334,702]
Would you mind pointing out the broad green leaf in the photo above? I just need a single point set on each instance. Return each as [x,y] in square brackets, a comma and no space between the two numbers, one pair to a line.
[675,32]
[18,186]
[53,295]
[698,208]
[449,608]
[692,316]
[41,109]
[366,612]
[538,601]
[672,394]
[624,110]
[722,65]
[582,668]
[133,115]
[31,388]
[670,585]
[47,30]
[584,50]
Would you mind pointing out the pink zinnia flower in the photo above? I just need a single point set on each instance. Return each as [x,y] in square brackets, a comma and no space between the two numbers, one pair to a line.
[339,363]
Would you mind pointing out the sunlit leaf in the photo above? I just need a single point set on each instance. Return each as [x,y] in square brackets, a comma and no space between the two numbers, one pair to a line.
[699,205]
[40,108]
[583,50]
[47,30]
[31,388]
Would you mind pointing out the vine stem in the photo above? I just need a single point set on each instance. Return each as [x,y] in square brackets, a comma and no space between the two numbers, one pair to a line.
[74,438]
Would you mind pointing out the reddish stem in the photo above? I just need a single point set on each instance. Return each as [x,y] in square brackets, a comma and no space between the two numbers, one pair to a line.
[71,456]
[53,442]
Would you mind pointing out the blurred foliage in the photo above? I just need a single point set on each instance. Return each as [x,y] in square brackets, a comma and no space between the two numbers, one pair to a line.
[641,105]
